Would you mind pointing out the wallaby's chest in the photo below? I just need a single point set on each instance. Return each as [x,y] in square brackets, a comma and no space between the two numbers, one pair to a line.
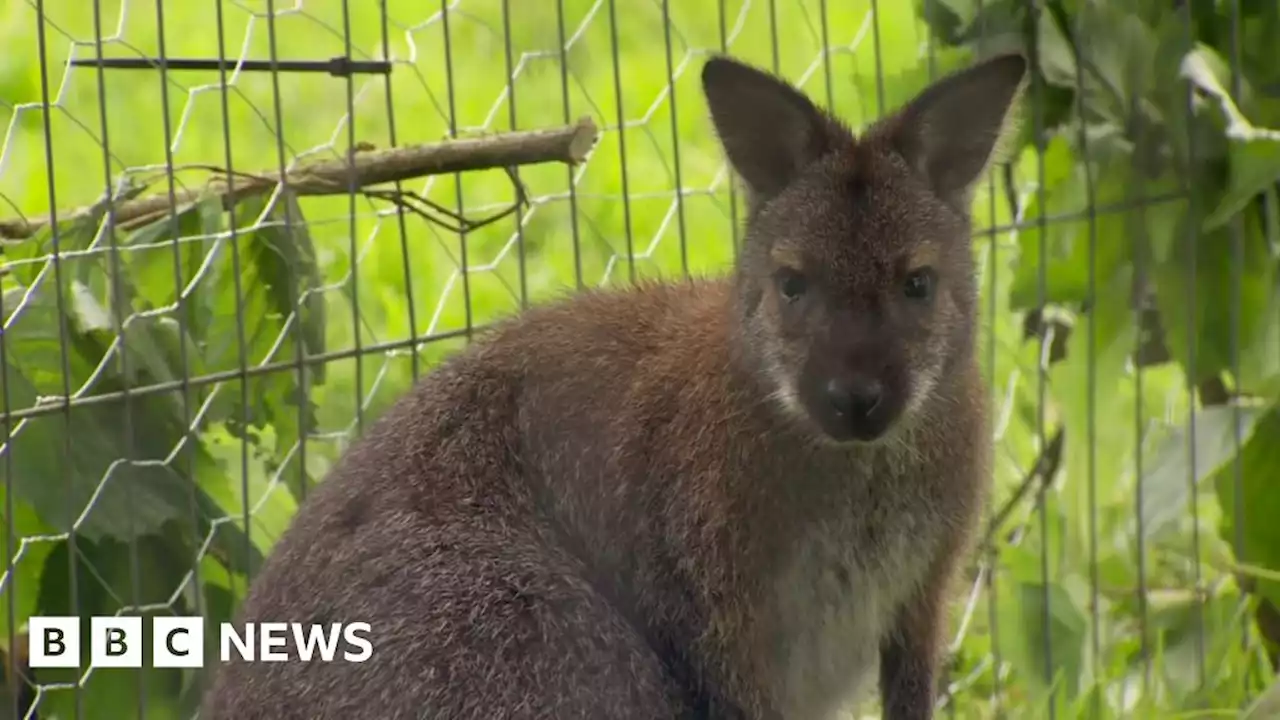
[834,596]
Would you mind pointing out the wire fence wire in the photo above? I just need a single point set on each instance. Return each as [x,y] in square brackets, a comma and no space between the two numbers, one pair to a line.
[177,379]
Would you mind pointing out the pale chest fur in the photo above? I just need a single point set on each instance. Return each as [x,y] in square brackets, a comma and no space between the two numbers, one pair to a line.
[833,597]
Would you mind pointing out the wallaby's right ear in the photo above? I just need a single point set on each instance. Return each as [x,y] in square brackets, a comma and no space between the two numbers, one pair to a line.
[769,130]
[954,128]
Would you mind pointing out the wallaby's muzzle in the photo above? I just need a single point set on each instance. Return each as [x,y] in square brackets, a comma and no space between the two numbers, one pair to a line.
[854,403]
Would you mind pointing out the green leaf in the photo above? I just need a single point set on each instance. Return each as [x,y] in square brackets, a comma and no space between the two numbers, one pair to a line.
[899,87]
[1253,152]
[1026,635]
[1070,216]
[1205,633]
[116,468]
[1266,706]
[273,508]
[1255,168]
[1222,289]
[1114,333]
[1061,192]
[946,18]
[21,586]
[149,257]
[1208,72]
[1166,481]
[1118,49]
[1057,55]
[292,275]
[29,257]
[277,275]
[1024,561]
[966,10]
[1259,501]
[84,469]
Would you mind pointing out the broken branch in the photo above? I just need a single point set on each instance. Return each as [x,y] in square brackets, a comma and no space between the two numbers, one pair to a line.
[360,170]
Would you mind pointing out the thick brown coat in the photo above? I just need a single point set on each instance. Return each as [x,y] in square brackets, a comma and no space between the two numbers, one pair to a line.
[627,504]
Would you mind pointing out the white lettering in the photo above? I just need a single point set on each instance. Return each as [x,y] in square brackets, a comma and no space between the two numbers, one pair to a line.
[353,639]
[229,636]
[272,636]
[328,644]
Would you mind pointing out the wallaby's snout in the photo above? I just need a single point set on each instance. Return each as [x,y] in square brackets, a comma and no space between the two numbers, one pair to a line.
[856,400]
[858,406]
[854,390]
[854,381]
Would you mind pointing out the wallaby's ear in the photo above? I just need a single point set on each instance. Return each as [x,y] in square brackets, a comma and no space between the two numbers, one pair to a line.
[769,130]
[952,130]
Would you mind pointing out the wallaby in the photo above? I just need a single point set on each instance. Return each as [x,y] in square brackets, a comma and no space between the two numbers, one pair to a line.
[713,498]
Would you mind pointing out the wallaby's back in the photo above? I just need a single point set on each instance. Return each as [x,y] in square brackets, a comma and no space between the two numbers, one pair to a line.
[713,498]
[433,529]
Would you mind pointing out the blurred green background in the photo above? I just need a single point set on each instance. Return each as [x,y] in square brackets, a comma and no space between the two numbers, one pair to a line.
[1128,253]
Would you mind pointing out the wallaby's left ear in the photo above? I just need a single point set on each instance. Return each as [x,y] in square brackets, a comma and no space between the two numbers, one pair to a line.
[952,130]
[769,130]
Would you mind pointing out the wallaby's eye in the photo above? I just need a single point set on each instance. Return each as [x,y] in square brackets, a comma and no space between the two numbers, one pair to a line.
[791,284]
[920,283]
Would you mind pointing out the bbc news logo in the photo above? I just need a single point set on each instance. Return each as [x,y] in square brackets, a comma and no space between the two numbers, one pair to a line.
[179,642]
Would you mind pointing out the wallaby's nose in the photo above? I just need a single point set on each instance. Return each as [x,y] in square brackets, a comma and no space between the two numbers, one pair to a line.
[855,399]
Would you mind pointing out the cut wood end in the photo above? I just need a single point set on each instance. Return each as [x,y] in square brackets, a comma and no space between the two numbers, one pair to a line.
[584,139]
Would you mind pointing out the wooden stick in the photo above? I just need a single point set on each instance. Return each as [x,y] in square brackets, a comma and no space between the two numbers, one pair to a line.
[361,169]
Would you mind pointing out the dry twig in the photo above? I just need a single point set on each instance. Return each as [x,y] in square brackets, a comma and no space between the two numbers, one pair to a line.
[358,171]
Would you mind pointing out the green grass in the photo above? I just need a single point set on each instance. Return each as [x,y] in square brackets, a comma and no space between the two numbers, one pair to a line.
[614,236]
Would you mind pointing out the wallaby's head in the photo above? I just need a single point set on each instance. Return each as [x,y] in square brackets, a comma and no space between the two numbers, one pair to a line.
[856,291]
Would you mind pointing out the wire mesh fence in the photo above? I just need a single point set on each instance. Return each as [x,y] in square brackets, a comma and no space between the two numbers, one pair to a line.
[235,231]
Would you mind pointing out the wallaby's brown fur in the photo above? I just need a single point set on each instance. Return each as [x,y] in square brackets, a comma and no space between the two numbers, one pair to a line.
[737,498]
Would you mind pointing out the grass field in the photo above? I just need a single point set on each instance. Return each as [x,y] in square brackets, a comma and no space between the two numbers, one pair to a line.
[603,223]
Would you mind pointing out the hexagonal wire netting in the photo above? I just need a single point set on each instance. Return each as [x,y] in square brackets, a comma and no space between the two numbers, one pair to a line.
[180,367]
